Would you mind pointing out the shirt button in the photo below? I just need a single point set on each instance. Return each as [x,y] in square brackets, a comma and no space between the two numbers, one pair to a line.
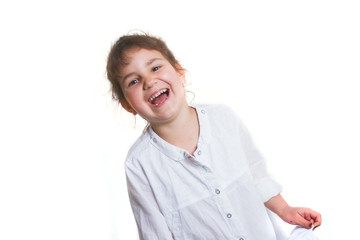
[155,140]
[241,239]
[199,152]
[217,191]
[229,215]
[203,111]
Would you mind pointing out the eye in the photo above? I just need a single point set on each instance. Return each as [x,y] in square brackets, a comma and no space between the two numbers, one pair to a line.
[133,82]
[154,69]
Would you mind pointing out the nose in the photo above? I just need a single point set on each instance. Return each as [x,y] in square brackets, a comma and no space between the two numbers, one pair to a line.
[149,82]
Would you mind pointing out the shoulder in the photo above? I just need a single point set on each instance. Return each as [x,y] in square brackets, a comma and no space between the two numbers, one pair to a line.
[139,149]
[215,108]
[218,112]
[223,119]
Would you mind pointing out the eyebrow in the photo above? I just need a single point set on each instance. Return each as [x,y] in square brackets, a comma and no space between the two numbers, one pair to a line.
[147,64]
[152,60]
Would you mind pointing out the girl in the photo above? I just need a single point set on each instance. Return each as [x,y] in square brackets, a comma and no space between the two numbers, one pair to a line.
[194,173]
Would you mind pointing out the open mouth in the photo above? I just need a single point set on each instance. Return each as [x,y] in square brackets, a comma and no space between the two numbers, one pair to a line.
[159,97]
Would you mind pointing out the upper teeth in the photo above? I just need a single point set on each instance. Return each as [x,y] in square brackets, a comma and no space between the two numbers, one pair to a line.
[157,94]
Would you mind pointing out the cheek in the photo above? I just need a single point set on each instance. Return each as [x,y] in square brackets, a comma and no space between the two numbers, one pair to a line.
[174,78]
[130,96]
[135,99]
[132,99]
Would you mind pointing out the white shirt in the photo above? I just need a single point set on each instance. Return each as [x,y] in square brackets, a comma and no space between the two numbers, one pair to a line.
[218,193]
[300,233]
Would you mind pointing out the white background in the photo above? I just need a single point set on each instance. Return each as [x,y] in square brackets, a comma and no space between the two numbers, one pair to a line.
[290,69]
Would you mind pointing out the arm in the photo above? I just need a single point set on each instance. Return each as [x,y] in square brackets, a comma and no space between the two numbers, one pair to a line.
[266,186]
[149,219]
[269,189]
[294,215]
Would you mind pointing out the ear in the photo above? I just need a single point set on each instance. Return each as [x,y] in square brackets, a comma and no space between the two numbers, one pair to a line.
[181,72]
[127,107]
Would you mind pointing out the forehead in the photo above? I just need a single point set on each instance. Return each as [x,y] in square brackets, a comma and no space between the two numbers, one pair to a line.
[141,55]
[136,59]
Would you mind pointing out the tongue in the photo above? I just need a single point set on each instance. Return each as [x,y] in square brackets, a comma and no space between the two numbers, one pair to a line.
[159,99]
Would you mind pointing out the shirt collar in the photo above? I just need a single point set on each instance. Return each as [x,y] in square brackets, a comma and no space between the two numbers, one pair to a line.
[177,153]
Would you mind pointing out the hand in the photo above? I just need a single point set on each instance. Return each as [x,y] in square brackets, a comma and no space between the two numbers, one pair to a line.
[301,216]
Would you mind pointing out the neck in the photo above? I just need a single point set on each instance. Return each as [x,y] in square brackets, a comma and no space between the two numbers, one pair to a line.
[182,132]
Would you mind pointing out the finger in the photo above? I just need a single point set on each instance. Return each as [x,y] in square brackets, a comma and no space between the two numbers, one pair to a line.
[317,224]
[312,215]
[318,220]
[303,222]
[307,216]
[316,217]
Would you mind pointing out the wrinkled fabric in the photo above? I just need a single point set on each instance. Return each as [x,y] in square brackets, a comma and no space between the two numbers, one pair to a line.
[216,193]
[301,233]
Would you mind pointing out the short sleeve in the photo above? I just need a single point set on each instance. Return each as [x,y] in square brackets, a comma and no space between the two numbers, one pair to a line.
[264,182]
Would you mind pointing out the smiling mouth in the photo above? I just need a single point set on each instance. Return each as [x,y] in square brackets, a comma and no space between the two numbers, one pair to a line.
[159,97]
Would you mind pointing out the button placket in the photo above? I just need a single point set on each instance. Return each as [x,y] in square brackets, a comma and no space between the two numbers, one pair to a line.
[205,169]
[187,156]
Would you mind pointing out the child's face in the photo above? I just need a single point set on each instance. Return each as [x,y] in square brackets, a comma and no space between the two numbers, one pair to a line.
[151,86]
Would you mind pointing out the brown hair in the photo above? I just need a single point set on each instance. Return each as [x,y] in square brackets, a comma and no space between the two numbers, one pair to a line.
[117,57]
